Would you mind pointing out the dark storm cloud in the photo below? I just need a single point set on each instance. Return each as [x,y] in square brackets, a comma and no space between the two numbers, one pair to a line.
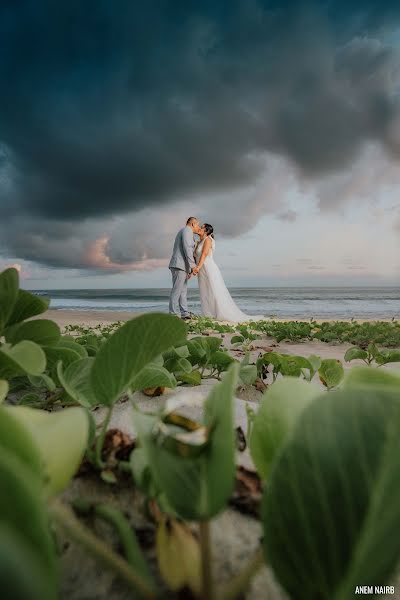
[108,108]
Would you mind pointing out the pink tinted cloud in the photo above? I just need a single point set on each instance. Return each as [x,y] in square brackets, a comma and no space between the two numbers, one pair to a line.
[97,258]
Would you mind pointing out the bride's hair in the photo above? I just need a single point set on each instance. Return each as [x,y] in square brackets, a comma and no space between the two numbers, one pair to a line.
[209,229]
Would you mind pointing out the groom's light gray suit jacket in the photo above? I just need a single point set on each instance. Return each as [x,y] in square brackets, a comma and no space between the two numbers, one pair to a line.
[183,252]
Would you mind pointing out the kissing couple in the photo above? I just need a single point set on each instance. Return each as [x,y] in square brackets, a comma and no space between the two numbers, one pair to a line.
[191,259]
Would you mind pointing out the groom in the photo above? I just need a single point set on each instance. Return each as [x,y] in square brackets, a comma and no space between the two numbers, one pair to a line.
[182,265]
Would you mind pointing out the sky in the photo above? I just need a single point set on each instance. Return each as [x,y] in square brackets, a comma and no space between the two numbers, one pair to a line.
[276,122]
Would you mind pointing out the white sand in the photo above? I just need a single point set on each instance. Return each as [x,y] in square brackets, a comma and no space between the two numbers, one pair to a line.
[90,318]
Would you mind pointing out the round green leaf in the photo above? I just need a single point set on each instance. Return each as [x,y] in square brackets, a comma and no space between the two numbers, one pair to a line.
[152,376]
[25,358]
[196,488]
[75,379]
[331,372]
[27,305]
[57,353]
[192,378]
[237,339]
[22,573]
[17,439]
[129,349]
[248,374]
[368,376]
[221,359]
[354,354]
[8,295]
[280,408]
[52,433]
[180,352]
[331,507]
[41,331]
[3,390]
[23,510]
[67,342]
[387,356]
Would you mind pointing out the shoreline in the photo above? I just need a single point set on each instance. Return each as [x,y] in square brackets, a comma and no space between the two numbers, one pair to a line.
[91,318]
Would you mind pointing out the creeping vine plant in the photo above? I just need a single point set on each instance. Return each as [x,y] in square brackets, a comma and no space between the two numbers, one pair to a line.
[329,463]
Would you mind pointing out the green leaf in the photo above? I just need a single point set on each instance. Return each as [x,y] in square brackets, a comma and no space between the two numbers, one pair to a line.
[272,358]
[3,390]
[293,365]
[197,351]
[16,439]
[331,372]
[141,471]
[54,354]
[280,408]
[221,360]
[178,365]
[388,356]
[75,379]
[237,339]
[196,488]
[23,511]
[180,352]
[8,295]
[68,343]
[42,381]
[152,376]
[183,365]
[248,374]
[129,349]
[52,433]
[192,378]
[315,363]
[331,507]
[354,354]
[27,305]
[213,343]
[25,358]
[367,377]
[42,331]
[22,573]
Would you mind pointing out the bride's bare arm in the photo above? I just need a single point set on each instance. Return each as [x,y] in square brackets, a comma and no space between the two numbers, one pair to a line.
[206,250]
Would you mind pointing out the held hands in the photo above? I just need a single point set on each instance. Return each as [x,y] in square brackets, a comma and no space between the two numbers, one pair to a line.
[193,273]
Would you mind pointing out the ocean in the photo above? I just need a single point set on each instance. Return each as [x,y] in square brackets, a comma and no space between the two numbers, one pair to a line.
[281,302]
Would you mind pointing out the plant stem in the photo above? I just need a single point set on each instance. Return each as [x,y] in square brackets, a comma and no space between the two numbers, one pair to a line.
[65,518]
[205,546]
[132,550]
[238,585]
[100,439]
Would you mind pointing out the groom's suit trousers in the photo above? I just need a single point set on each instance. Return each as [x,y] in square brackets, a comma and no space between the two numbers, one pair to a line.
[178,298]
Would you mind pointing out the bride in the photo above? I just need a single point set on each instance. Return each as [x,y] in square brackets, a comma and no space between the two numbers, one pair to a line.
[216,301]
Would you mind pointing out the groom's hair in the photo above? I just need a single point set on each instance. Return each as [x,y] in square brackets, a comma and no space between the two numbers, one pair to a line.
[191,220]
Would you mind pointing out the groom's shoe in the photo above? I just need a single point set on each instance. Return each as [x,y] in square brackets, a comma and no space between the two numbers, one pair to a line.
[188,316]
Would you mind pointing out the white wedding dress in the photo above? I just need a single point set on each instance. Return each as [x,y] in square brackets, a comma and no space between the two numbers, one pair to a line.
[216,301]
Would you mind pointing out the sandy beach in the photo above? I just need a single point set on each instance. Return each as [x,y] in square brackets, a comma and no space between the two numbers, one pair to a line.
[91,318]
[305,348]
[88,318]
